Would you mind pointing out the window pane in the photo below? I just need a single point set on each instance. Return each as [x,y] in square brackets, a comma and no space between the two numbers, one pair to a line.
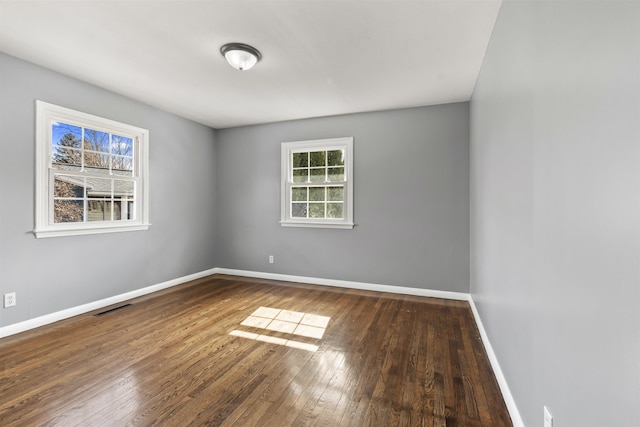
[316,210]
[301,175]
[96,162]
[300,160]
[65,135]
[317,158]
[99,187]
[335,194]
[98,210]
[318,175]
[316,194]
[65,139]
[68,211]
[95,140]
[65,156]
[299,194]
[123,189]
[121,145]
[336,174]
[335,210]
[335,158]
[68,186]
[122,165]
[299,210]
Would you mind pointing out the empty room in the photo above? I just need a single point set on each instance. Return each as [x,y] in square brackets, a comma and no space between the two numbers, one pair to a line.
[320,213]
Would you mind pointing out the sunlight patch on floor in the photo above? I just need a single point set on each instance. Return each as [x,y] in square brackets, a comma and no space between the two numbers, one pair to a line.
[287,322]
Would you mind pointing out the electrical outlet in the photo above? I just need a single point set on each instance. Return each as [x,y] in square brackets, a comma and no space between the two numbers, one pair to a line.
[270,259]
[9,299]
[548,419]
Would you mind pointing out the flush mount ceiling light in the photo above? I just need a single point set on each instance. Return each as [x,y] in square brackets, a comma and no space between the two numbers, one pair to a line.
[240,56]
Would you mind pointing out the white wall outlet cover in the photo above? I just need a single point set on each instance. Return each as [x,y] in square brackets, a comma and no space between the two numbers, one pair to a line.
[9,299]
[548,419]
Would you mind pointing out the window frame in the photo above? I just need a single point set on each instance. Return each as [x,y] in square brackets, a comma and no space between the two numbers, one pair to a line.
[46,115]
[330,144]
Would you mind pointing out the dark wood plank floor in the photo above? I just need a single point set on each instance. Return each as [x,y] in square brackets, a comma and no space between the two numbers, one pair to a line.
[195,355]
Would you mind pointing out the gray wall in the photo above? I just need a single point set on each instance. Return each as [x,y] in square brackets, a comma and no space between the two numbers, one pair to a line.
[53,274]
[555,208]
[411,195]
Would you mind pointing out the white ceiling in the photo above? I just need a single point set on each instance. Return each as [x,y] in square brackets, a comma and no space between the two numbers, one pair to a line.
[319,57]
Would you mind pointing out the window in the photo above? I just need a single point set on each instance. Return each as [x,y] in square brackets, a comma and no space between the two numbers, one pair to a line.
[91,174]
[317,183]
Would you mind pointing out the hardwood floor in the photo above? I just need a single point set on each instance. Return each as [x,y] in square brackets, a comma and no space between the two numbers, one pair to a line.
[205,353]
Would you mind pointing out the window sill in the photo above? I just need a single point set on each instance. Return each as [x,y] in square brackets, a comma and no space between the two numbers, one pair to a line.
[308,224]
[62,232]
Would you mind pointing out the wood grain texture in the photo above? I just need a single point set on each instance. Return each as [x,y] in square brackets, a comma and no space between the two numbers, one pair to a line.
[169,359]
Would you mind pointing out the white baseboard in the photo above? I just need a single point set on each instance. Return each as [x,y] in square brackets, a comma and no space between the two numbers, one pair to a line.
[502,382]
[95,305]
[347,284]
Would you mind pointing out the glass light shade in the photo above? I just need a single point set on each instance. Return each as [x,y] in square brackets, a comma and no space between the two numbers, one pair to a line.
[240,56]
[240,59]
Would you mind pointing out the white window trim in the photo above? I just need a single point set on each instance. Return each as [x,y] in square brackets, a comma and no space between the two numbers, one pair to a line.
[287,149]
[46,114]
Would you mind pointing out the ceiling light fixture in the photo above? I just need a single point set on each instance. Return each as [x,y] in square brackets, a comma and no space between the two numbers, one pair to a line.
[240,56]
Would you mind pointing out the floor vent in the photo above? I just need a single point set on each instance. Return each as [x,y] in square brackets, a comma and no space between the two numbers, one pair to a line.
[112,309]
